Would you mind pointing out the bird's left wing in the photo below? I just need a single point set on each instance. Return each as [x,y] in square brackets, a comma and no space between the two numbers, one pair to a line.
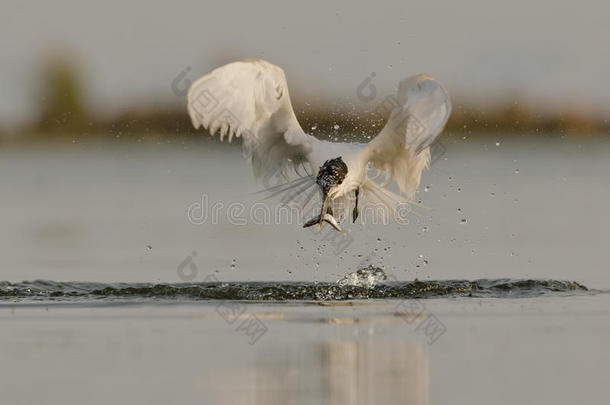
[250,99]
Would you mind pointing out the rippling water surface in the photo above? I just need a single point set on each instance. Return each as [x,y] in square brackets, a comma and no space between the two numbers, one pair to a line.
[282,291]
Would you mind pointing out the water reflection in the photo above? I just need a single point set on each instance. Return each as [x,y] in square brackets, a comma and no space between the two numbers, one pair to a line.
[343,372]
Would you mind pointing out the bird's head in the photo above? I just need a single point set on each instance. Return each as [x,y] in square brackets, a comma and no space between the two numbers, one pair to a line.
[331,176]
[333,180]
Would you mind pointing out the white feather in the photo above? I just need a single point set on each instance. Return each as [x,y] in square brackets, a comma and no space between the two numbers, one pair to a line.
[400,151]
[250,99]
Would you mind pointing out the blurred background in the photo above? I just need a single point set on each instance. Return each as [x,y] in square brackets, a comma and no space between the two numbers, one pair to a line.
[99,165]
[89,66]
[98,160]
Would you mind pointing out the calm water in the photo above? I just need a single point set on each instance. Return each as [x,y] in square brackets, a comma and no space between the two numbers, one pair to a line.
[92,212]
[108,287]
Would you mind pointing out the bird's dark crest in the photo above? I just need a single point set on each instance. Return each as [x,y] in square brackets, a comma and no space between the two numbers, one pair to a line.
[332,172]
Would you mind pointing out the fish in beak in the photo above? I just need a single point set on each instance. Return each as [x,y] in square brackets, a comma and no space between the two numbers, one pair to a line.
[325,218]
[331,174]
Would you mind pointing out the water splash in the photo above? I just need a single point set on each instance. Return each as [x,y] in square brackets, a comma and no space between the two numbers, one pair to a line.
[366,277]
[367,283]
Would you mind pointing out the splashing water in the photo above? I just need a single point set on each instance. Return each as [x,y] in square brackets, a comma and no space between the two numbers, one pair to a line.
[366,277]
[367,283]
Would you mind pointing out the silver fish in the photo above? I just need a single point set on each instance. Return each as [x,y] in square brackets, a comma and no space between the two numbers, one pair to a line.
[333,222]
[326,218]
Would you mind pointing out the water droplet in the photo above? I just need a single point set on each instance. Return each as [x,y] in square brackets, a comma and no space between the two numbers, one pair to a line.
[424,229]
[517,171]
[427,188]
[336,127]
[314,127]
[420,256]
[492,194]
[463,221]
[497,143]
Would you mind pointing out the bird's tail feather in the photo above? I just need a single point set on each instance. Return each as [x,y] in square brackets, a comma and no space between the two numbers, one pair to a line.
[383,202]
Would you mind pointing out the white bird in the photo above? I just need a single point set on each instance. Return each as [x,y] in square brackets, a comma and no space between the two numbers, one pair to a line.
[249,99]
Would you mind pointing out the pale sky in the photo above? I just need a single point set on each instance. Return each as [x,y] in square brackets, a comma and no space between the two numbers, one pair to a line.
[131,51]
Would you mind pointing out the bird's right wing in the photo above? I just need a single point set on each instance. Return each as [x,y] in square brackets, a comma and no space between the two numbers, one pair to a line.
[420,111]
[250,99]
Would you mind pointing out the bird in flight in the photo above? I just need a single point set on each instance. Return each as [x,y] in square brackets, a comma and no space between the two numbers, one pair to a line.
[249,99]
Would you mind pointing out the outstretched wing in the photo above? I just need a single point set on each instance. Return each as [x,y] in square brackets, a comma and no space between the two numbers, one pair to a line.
[250,99]
[401,151]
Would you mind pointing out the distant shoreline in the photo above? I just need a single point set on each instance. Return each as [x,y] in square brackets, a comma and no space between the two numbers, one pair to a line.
[161,123]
